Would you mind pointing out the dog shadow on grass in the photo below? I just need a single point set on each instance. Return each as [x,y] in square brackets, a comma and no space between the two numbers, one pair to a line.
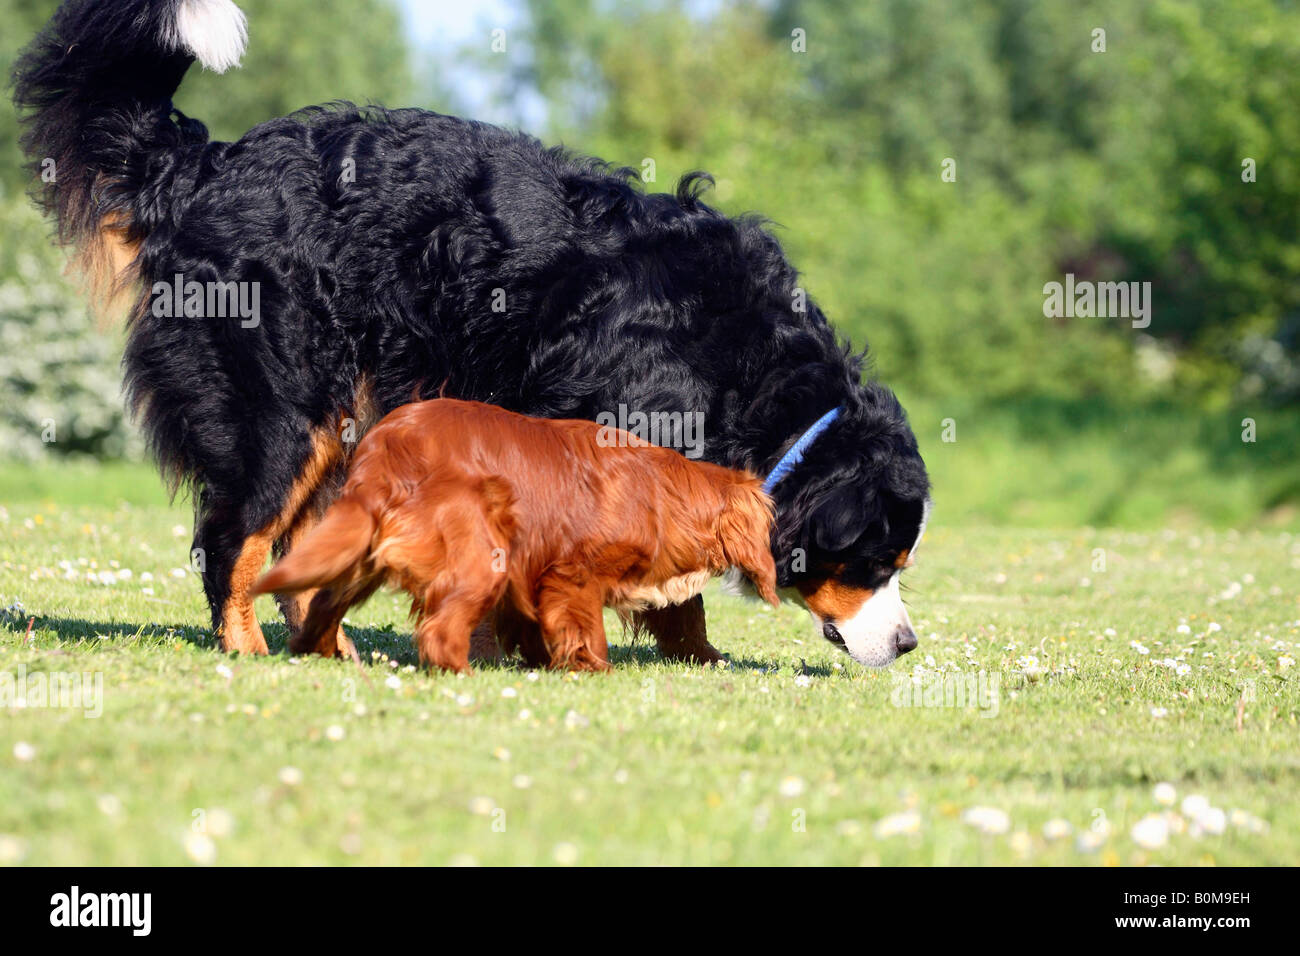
[646,655]
[377,646]
[70,630]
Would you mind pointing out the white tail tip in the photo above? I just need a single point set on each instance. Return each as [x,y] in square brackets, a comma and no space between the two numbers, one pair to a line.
[215,31]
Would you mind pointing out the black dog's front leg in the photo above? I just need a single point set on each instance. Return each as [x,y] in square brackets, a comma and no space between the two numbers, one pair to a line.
[680,632]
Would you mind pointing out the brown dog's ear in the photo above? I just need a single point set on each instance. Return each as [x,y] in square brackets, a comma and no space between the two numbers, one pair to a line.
[745,532]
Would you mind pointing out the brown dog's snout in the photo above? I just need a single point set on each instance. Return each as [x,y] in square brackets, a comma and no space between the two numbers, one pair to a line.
[905,640]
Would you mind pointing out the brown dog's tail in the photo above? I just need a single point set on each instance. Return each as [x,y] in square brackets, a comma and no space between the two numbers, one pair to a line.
[327,553]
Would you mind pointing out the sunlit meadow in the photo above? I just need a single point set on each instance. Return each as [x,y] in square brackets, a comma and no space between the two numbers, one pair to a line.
[1145,712]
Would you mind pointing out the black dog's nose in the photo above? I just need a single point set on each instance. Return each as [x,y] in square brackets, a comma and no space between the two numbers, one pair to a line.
[831,634]
[905,641]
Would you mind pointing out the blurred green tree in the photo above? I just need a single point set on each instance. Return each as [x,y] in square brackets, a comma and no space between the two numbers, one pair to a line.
[1117,156]
[1202,191]
[942,278]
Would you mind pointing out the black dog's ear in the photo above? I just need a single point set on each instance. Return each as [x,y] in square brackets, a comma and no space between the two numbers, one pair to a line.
[842,519]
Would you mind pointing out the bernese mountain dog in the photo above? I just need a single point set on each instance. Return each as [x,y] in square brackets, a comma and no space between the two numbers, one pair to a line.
[287,290]
[477,511]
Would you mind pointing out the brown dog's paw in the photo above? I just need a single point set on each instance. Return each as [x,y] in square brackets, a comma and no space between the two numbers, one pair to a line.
[483,643]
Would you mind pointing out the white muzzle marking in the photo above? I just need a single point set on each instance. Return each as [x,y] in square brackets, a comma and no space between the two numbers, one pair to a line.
[871,635]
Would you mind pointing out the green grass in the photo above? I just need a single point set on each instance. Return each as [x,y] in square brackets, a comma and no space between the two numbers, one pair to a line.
[1036,462]
[792,755]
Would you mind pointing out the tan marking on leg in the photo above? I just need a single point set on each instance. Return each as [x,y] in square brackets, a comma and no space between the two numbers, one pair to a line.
[239,628]
[301,513]
[306,505]
[327,451]
[831,600]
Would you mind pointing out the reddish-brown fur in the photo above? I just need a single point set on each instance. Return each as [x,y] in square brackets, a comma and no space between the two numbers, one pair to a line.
[473,509]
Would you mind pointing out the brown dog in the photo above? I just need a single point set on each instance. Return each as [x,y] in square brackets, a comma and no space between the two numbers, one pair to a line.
[472,509]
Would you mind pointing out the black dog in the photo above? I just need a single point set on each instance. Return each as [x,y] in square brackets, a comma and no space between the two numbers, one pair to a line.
[292,287]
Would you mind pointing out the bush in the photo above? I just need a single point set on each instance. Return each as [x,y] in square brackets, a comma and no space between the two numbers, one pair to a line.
[60,384]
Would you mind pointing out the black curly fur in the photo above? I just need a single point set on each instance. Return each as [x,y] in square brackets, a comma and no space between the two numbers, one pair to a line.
[612,296]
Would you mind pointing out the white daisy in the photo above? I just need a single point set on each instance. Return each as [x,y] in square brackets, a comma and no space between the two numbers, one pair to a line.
[987,819]
[897,824]
[1151,832]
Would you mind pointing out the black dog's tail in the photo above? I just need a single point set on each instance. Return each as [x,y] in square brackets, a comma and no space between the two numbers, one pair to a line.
[96,88]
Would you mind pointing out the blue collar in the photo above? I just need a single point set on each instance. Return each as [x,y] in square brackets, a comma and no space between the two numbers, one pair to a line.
[797,450]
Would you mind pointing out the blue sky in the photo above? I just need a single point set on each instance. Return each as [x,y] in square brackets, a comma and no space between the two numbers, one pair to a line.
[438,25]
[435,26]
[435,22]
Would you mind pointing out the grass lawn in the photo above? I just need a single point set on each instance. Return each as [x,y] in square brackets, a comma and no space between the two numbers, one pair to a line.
[1169,664]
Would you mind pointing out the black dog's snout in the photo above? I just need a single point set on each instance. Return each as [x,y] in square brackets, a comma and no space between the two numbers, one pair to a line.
[906,641]
[831,634]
